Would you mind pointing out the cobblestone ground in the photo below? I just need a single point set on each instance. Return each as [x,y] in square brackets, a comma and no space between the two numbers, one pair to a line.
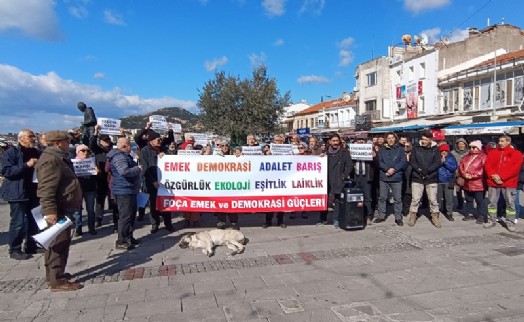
[461,272]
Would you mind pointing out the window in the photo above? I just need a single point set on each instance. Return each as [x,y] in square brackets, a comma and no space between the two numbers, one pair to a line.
[421,105]
[371,105]
[411,73]
[422,72]
[476,97]
[509,92]
[399,76]
[372,79]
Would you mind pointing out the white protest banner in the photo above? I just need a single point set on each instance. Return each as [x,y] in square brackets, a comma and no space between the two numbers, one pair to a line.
[295,149]
[200,138]
[84,167]
[158,123]
[252,150]
[217,151]
[281,149]
[109,126]
[189,152]
[250,184]
[362,151]
[177,128]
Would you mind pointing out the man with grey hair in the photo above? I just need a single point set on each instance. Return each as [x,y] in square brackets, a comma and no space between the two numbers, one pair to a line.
[19,190]
[126,184]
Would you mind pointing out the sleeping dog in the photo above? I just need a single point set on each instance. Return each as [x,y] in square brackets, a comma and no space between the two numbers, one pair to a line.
[208,240]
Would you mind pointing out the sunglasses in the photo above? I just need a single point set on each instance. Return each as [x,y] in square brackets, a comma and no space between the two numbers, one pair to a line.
[473,147]
[301,148]
[84,151]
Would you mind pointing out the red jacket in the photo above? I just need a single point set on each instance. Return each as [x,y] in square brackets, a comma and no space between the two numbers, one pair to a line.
[506,163]
[473,164]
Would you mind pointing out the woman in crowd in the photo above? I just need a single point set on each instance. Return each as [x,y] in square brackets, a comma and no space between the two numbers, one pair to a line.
[88,184]
[471,179]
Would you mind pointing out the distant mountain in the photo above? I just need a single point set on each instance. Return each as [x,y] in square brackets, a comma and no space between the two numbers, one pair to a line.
[188,120]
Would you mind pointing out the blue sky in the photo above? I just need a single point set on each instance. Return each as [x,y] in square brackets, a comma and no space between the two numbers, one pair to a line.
[125,57]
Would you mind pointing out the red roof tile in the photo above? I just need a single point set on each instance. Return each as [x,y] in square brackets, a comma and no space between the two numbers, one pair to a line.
[518,54]
[339,102]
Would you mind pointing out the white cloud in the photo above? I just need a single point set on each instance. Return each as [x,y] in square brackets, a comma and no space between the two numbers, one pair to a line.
[78,11]
[459,35]
[347,42]
[279,42]
[32,18]
[417,6]
[346,57]
[433,34]
[212,65]
[274,7]
[99,76]
[113,18]
[313,6]
[46,102]
[257,59]
[312,79]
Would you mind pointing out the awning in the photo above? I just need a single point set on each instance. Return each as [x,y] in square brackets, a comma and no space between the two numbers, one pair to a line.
[485,128]
[420,124]
[400,128]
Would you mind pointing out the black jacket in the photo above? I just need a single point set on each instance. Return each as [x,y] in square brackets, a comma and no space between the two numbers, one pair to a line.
[340,166]
[149,168]
[425,163]
[141,142]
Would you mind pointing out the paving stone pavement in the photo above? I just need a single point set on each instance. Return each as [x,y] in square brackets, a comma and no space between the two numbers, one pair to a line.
[460,272]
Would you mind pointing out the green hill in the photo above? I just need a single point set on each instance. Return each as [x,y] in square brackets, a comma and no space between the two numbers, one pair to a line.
[188,120]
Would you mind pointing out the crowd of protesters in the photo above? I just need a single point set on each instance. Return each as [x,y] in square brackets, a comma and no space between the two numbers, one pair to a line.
[401,174]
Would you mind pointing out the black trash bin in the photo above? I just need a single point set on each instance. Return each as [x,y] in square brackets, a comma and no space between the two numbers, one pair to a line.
[352,209]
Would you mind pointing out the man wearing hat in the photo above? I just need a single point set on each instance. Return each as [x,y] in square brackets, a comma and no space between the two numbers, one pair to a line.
[60,196]
[150,155]
[19,190]
[461,149]
[446,181]
[100,145]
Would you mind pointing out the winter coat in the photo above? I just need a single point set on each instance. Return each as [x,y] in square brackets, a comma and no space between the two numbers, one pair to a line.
[149,162]
[505,162]
[58,187]
[16,174]
[446,171]
[339,168]
[125,173]
[425,162]
[392,157]
[473,164]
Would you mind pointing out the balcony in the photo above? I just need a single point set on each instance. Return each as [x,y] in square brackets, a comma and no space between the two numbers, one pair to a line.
[375,115]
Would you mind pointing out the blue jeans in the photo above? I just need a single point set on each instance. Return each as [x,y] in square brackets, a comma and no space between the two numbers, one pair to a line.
[396,188]
[89,200]
[22,225]
[127,212]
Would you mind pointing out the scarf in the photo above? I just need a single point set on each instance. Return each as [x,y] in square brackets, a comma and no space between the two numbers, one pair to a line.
[333,151]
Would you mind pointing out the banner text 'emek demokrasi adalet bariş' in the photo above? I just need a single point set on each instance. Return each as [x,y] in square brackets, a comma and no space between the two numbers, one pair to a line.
[242,184]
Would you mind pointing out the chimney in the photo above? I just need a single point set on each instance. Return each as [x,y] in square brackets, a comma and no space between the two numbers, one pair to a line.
[473,31]
[344,94]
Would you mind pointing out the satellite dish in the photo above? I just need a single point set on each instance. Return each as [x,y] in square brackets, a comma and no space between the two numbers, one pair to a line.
[406,39]
[425,40]
[445,40]
[417,39]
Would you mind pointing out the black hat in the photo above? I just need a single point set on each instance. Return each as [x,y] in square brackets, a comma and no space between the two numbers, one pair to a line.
[152,136]
[104,137]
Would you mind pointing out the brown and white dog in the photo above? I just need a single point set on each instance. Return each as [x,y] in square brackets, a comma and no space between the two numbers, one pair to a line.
[208,240]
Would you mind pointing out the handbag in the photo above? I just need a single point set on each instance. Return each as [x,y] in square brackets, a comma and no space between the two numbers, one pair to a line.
[460,181]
